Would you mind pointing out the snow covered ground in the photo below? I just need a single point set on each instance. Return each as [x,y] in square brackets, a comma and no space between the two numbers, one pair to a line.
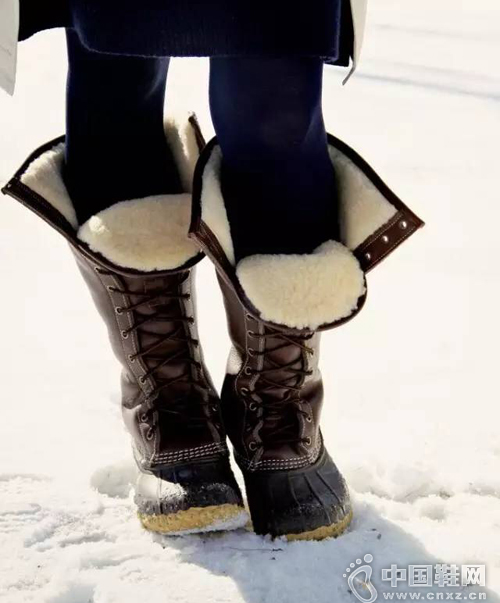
[413,412]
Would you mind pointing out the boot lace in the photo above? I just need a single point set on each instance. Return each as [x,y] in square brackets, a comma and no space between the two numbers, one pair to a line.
[181,407]
[278,414]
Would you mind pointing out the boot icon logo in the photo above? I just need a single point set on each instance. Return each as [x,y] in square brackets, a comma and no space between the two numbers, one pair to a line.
[359,580]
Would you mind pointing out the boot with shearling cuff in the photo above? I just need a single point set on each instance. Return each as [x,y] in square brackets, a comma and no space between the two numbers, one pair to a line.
[277,305]
[138,263]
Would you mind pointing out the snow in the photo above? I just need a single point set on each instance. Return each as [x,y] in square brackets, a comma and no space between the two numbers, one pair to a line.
[412,413]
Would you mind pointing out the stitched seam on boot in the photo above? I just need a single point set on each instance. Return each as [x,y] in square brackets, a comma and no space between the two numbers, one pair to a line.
[195,449]
[269,464]
[192,453]
[182,459]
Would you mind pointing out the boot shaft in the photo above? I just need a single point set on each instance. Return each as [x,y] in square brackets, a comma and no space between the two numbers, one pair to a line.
[168,399]
[137,262]
[277,304]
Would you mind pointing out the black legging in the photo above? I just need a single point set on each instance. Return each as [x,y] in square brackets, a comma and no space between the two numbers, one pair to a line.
[277,179]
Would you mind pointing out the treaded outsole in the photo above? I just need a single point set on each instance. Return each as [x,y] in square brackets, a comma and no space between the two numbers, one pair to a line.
[332,531]
[196,520]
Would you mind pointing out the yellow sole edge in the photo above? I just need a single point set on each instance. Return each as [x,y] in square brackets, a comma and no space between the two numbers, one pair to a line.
[196,519]
[332,531]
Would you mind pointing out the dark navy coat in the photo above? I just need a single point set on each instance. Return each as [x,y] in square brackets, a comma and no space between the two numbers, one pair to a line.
[200,27]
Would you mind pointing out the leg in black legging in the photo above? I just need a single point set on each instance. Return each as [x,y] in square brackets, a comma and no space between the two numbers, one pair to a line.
[115,145]
[277,178]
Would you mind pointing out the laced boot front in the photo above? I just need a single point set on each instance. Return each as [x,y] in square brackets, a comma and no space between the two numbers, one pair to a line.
[272,398]
[138,264]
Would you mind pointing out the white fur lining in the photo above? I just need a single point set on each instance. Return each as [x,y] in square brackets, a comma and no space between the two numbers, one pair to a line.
[304,291]
[143,234]
[182,140]
[363,208]
[213,208]
[43,176]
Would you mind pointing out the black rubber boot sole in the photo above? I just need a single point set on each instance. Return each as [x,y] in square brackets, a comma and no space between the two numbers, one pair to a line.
[302,504]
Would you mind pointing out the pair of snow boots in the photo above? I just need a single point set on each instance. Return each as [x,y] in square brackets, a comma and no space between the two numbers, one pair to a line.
[138,259]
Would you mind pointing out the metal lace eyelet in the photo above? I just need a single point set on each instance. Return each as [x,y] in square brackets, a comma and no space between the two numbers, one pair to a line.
[249,316]
[143,418]
[309,419]
[150,435]
[251,352]
[125,334]
[191,320]
[97,269]
[252,446]
[308,441]
[244,391]
[110,288]
[251,333]
[142,379]
[248,370]
[215,410]
[252,406]
[119,310]
[131,359]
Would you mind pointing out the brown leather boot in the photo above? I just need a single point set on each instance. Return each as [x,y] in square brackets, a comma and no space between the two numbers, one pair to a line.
[138,263]
[276,306]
